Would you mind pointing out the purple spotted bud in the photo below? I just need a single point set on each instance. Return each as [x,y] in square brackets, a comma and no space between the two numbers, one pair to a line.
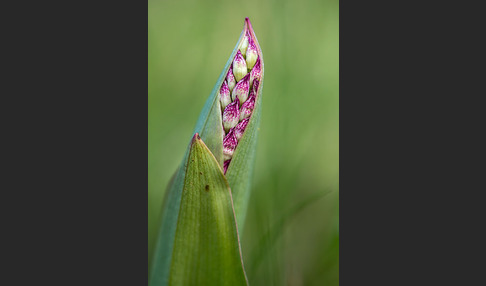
[226,164]
[248,106]
[231,115]
[239,66]
[241,89]
[240,128]
[251,54]
[244,44]
[256,83]
[256,72]
[230,78]
[224,95]
[229,145]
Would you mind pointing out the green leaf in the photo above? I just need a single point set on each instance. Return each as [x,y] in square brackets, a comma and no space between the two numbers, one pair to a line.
[198,241]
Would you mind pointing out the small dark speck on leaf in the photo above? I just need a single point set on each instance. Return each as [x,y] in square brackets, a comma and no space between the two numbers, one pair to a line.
[207,188]
[200,173]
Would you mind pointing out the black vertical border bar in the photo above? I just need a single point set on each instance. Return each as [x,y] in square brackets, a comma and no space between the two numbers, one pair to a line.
[410,128]
[126,37]
[114,53]
[95,56]
[373,180]
[74,193]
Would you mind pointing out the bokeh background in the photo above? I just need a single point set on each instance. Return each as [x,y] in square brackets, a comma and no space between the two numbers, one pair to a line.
[291,236]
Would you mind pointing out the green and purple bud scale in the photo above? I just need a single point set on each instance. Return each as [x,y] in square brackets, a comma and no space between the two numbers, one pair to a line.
[256,83]
[256,72]
[244,44]
[241,89]
[230,78]
[224,95]
[251,54]
[229,145]
[231,115]
[239,66]
[248,106]
[240,128]
[226,164]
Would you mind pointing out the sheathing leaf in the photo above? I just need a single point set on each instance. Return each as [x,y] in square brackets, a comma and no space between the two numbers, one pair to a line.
[206,247]
[200,244]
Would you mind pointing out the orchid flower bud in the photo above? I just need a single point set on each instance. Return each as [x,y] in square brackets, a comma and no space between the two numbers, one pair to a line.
[224,95]
[231,115]
[230,78]
[256,72]
[254,89]
[229,145]
[240,129]
[248,106]
[225,165]
[241,89]
[244,45]
[251,54]
[239,66]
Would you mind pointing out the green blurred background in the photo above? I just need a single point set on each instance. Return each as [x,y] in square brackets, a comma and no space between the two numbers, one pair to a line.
[291,235]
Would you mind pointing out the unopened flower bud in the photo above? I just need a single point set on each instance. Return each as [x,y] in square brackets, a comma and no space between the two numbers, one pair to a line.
[225,165]
[239,66]
[230,78]
[256,72]
[244,45]
[248,106]
[240,128]
[241,89]
[251,54]
[229,145]
[224,95]
[231,115]
[256,83]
